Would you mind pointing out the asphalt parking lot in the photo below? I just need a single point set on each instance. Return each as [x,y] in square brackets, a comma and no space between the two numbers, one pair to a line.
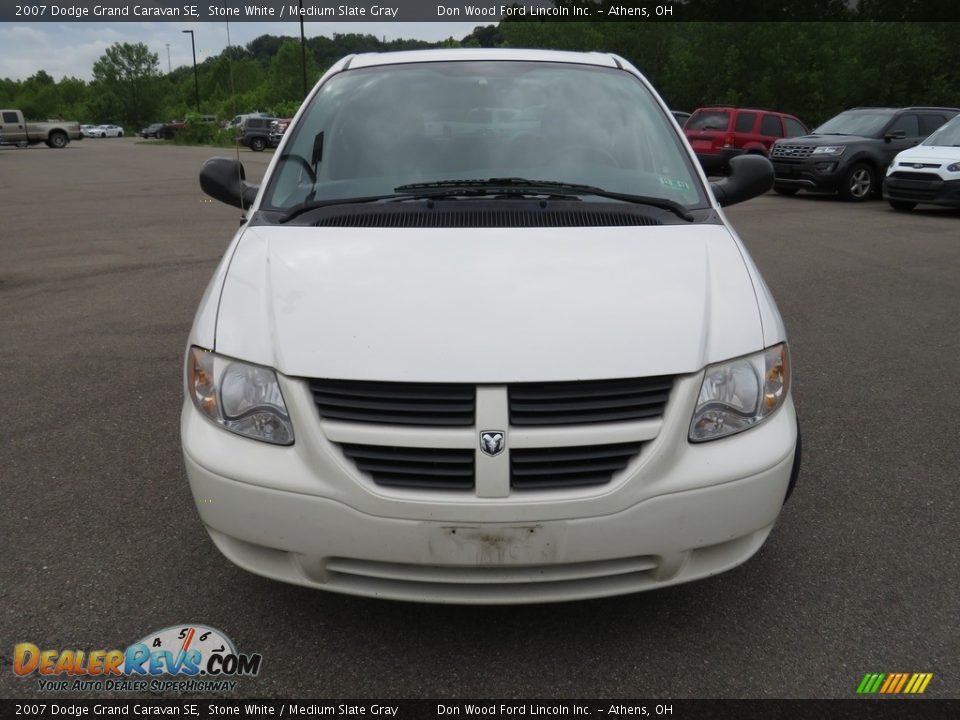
[105,249]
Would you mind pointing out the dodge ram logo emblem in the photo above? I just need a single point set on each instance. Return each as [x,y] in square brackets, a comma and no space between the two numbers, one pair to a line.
[492,442]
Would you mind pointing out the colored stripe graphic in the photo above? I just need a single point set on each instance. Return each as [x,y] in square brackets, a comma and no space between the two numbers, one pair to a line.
[870,683]
[890,683]
[903,681]
[894,683]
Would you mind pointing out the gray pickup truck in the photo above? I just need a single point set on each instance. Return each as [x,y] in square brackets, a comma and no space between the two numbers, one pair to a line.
[14,130]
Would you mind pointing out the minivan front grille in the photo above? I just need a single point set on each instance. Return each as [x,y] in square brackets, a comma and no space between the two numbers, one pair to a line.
[393,403]
[565,467]
[412,467]
[592,401]
[558,435]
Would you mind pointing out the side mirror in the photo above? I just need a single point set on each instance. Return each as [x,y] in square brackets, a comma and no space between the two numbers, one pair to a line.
[223,179]
[896,135]
[750,175]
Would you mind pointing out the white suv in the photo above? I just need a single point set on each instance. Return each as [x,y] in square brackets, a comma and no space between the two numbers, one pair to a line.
[928,173]
[487,363]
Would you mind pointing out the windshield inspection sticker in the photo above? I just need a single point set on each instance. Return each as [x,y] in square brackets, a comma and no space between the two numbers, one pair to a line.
[673,184]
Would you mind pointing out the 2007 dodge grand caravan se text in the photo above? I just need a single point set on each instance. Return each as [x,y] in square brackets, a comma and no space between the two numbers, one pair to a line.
[487,337]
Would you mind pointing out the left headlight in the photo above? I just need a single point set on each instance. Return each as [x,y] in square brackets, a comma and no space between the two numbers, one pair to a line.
[954,168]
[238,396]
[741,393]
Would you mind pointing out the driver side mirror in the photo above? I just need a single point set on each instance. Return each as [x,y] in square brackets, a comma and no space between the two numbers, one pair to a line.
[750,175]
[223,179]
[895,135]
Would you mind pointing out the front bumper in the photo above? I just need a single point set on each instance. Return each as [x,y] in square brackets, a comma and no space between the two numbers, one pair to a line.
[932,190]
[301,514]
[820,175]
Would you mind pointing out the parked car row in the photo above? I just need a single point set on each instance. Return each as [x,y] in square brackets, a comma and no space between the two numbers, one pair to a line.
[861,153]
[851,153]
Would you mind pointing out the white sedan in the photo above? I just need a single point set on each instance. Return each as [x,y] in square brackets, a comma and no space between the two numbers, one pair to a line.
[90,130]
[108,131]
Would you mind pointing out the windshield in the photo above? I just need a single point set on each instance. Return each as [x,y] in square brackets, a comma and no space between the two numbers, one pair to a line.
[947,136]
[855,123]
[371,130]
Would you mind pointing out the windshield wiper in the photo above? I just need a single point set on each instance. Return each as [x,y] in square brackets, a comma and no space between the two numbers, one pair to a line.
[309,205]
[491,186]
[494,186]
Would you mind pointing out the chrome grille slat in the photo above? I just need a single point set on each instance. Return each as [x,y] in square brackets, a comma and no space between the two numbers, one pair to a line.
[590,401]
[797,152]
[544,468]
[395,403]
[414,467]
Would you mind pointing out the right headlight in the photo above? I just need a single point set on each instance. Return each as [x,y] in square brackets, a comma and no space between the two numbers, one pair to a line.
[238,396]
[738,394]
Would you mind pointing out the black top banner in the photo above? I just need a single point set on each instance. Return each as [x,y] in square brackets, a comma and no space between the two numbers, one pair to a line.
[479,11]
[201,709]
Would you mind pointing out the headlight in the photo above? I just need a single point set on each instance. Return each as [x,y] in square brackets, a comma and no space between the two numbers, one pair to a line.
[954,168]
[829,150]
[239,397]
[738,394]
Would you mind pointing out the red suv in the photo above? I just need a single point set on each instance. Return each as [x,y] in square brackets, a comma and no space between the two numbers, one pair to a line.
[720,133]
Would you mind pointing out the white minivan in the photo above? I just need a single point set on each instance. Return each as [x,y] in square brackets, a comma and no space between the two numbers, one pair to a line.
[487,362]
[927,173]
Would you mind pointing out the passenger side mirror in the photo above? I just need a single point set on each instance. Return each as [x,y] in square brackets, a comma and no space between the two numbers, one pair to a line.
[223,179]
[750,175]
[895,135]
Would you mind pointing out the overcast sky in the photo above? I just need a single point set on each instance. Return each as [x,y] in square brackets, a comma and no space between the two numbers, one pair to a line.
[70,49]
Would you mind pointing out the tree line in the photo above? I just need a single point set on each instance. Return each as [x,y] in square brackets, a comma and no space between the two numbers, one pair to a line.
[810,69]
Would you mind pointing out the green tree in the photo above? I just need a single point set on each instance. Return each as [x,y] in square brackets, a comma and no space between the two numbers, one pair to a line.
[286,74]
[126,78]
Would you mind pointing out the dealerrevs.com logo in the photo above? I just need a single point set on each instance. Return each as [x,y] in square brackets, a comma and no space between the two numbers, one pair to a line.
[185,658]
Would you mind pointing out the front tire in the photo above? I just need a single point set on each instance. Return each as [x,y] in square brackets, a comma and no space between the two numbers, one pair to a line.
[859,183]
[257,144]
[902,205]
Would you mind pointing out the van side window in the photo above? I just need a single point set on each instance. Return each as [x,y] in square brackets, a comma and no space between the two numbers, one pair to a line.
[770,125]
[745,122]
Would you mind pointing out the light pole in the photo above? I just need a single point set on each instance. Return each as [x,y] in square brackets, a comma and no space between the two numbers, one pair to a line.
[196,77]
[169,66]
[303,50]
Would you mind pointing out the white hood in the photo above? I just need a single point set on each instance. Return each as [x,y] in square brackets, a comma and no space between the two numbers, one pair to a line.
[487,305]
[935,154]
